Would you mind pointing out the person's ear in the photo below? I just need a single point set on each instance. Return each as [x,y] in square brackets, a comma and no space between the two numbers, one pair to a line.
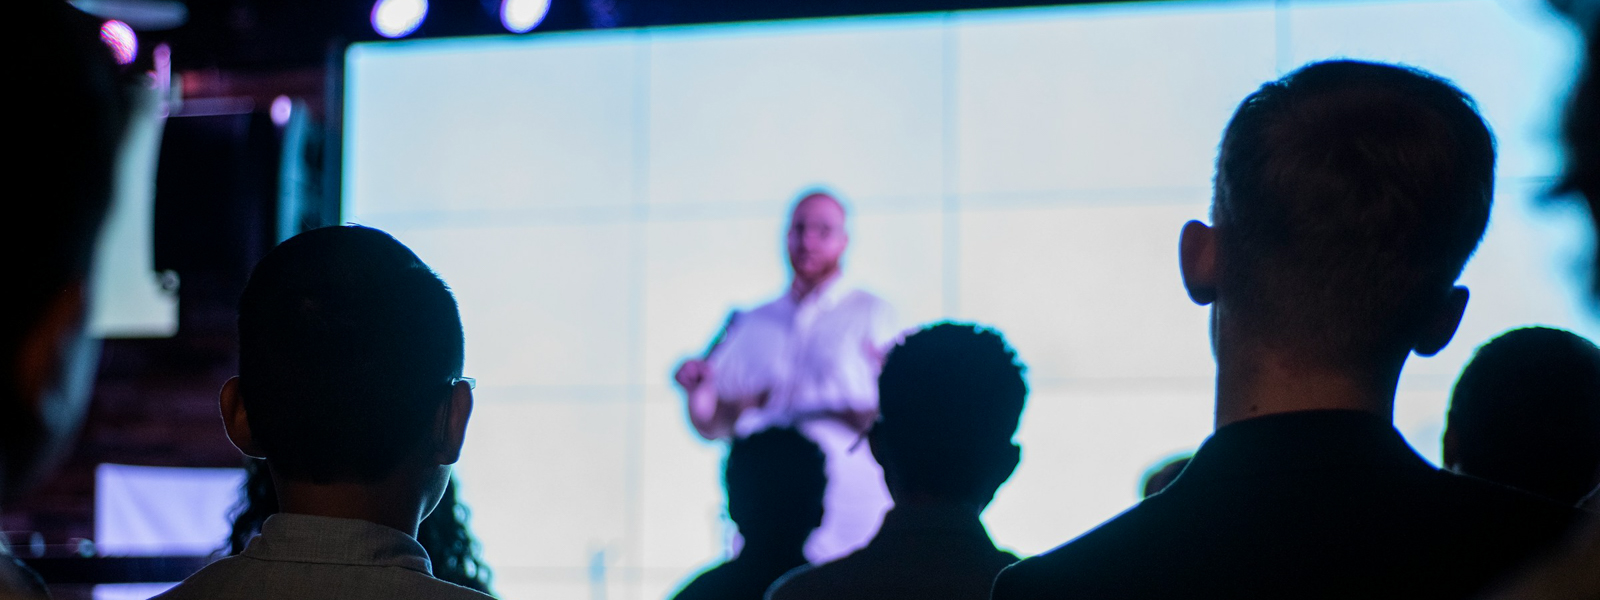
[1440,326]
[878,446]
[1005,464]
[1000,462]
[875,443]
[1452,452]
[451,426]
[1197,260]
[236,421]
[46,346]
[1011,460]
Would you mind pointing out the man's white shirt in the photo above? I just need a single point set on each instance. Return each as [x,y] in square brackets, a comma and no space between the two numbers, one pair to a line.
[816,359]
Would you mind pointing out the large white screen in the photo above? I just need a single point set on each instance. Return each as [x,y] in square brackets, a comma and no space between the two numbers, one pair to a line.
[600,200]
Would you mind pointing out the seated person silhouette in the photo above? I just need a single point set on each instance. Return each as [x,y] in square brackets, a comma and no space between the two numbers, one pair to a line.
[1526,413]
[452,551]
[1571,574]
[1348,197]
[1162,475]
[350,355]
[775,480]
[79,107]
[950,397]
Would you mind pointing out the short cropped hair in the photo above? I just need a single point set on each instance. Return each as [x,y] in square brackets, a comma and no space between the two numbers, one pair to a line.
[775,481]
[348,350]
[1348,197]
[947,394]
[1526,413]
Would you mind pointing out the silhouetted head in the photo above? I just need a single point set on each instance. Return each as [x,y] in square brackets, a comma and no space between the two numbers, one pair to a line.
[1348,198]
[1162,475]
[949,399]
[66,143]
[1526,413]
[817,237]
[775,479]
[349,353]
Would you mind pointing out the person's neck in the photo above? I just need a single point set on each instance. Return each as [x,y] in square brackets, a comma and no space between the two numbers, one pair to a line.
[919,500]
[1256,382]
[390,502]
[779,549]
[805,287]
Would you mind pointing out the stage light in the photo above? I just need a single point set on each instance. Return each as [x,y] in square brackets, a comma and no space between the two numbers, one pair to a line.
[398,18]
[282,108]
[120,38]
[521,16]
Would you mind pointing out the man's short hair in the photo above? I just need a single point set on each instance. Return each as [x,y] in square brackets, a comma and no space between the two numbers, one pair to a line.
[1349,196]
[1526,413]
[775,481]
[948,394]
[348,350]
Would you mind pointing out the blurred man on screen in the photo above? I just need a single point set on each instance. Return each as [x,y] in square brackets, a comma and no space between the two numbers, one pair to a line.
[807,360]
[1349,196]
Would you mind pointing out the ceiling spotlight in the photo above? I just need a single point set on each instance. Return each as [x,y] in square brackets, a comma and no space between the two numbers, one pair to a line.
[521,16]
[119,37]
[282,109]
[398,18]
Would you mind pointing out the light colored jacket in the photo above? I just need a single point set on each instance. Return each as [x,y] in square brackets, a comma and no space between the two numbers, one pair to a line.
[314,558]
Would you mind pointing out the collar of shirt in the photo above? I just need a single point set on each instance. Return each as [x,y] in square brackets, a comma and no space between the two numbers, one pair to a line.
[826,295]
[1298,442]
[310,539]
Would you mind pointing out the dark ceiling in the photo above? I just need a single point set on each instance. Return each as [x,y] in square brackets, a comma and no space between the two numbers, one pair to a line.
[280,34]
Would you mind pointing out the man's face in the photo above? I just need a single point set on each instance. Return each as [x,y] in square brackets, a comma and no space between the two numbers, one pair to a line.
[816,238]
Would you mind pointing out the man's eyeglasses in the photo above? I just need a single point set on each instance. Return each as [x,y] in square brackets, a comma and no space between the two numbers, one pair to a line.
[472,383]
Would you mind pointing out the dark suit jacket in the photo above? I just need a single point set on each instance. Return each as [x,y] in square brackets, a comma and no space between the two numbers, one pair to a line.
[744,578]
[1315,504]
[922,552]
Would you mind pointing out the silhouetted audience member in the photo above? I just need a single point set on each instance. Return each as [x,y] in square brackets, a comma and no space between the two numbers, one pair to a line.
[950,397]
[1348,198]
[452,551]
[1526,413]
[1571,574]
[350,355]
[1163,475]
[65,144]
[775,480]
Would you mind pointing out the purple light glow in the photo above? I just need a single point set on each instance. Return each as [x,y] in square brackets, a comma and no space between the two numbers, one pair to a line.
[398,18]
[120,38]
[282,106]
